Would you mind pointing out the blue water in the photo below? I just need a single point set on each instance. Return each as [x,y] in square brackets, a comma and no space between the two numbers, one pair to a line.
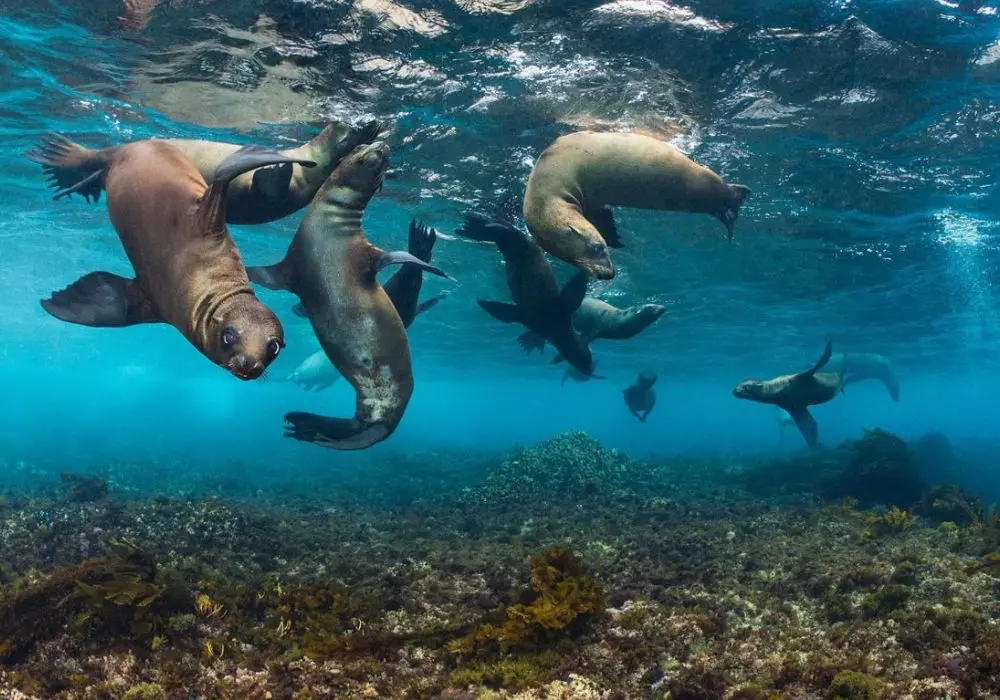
[867,132]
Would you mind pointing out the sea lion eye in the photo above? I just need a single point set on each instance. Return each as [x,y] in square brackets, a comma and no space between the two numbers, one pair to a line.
[273,348]
[228,337]
[596,248]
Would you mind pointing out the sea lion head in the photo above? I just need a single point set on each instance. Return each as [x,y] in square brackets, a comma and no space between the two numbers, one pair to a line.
[358,177]
[650,312]
[582,245]
[338,139]
[751,389]
[244,336]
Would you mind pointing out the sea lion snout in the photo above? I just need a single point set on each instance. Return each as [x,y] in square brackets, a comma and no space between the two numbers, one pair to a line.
[247,338]
[748,389]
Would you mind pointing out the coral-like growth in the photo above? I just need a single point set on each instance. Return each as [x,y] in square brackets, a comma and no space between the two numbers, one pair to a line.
[881,471]
[894,520]
[81,488]
[561,594]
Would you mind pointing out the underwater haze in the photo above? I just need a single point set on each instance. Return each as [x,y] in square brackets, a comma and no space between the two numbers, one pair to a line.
[868,134]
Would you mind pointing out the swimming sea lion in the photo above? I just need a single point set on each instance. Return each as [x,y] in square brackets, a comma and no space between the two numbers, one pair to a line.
[861,366]
[598,319]
[265,194]
[640,397]
[581,175]
[795,393]
[331,267]
[538,303]
[188,271]
[576,375]
[403,289]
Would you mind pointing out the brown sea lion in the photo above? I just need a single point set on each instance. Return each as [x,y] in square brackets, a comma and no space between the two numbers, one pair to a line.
[795,393]
[597,319]
[538,305]
[331,267]
[188,271]
[256,197]
[403,288]
[581,175]
[640,397]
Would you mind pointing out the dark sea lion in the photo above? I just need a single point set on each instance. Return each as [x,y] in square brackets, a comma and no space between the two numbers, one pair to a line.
[597,319]
[576,375]
[580,176]
[316,372]
[332,268]
[538,305]
[640,397]
[255,197]
[188,271]
[862,366]
[795,393]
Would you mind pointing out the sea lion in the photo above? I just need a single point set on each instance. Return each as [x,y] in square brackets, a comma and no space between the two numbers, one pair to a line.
[861,366]
[403,289]
[640,397]
[188,271]
[580,176]
[265,194]
[538,305]
[576,375]
[796,392]
[331,267]
[598,319]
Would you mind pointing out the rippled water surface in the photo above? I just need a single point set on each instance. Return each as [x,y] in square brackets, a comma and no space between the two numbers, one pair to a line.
[867,132]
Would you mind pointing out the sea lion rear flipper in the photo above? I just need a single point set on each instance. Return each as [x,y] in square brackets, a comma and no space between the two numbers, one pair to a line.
[276,276]
[729,215]
[806,424]
[823,360]
[211,208]
[401,257]
[603,220]
[572,294]
[507,313]
[531,341]
[431,303]
[298,308]
[335,433]
[69,166]
[421,242]
[102,299]
[272,181]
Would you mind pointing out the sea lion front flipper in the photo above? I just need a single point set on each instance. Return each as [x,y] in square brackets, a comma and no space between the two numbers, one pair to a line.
[531,341]
[102,299]
[431,303]
[211,210]
[335,433]
[401,257]
[70,167]
[806,424]
[572,294]
[278,276]
[728,216]
[603,220]
[506,313]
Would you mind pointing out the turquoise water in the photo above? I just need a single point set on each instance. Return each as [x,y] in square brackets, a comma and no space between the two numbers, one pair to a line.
[867,132]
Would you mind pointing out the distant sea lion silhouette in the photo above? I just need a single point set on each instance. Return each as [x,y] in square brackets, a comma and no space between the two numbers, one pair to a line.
[581,175]
[538,305]
[795,393]
[316,372]
[254,197]
[598,319]
[188,271]
[861,366]
[331,267]
[640,397]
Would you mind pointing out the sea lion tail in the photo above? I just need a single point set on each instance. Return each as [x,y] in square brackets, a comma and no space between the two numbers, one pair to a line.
[728,216]
[334,433]
[422,238]
[70,167]
[531,341]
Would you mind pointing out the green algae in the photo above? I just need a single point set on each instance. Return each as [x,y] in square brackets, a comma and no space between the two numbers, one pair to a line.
[854,685]
[885,601]
[516,673]
[145,691]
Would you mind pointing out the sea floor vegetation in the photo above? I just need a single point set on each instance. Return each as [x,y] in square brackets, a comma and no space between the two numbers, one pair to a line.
[560,571]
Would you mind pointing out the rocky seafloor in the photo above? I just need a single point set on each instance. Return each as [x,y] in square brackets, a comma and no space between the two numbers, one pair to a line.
[563,570]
